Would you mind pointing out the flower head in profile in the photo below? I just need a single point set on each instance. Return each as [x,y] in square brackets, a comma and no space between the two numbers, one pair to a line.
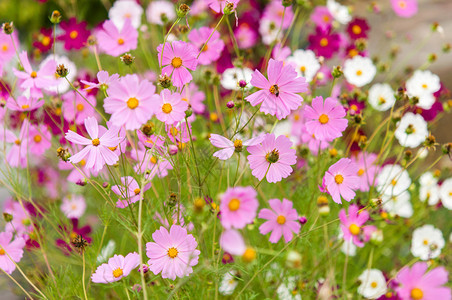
[178,58]
[128,192]
[97,148]
[279,94]
[172,253]
[211,51]
[352,225]
[228,147]
[282,220]
[104,81]
[404,8]
[341,180]
[238,207]
[114,41]
[117,267]
[75,34]
[272,158]
[416,283]
[171,108]
[12,248]
[22,103]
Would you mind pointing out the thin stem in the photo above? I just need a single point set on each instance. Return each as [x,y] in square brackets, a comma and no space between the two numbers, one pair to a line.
[17,283]
[83,276]
[205,44]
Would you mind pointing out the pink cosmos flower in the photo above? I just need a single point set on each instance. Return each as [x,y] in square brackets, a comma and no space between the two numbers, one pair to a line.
[282,220]
[131,102]
[7,51]
[322,17]
[280,53]
[128,192]
[367,170]
[272,158]
[22,103]
[39,139]
[212,51]
[178,56]
[117,267]
[12,248]
[238,207]
[219,5]
[104,81]
[171,108]
[325,119]
[352,225]
[404,8]
[341,179]
[194,97]
[274,12]
[228,147]
[75,34]
[21,223]
[76,109]
[312,142]
[150,163]
[73,207]
[96,148]
[115,42]
[418,283]
[179,133]
[279,93]
[246,35]
[172,253]
[232,242]
[155,142]
[17,155]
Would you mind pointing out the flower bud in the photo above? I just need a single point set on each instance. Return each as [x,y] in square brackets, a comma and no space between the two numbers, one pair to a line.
[127,59]
[229,8]
[230,104]
[63,154]
[7,217]
[189,111]
[293,259]
[148,129]
[172,150]
[8,27]
[183,10]
[62,71]
[337,72]
[165,81]
[55,18]
[287,3]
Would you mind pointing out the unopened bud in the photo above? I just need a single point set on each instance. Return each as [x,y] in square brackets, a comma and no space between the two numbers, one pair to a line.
[127,59]
[337,72]
[7,217]
[183,10]
[62,71]
[165,81]
[55,18]
[63,154]
[8,27]
[230,104]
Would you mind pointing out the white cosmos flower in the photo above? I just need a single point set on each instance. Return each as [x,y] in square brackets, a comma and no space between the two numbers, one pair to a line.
[63,84]
[339,12]
[445,193]
[231,77]
[305,63]
[73,207]
[159,11]
[228,283]
[288,290]
[423,84]
[269,31]
[373,284]
[429,189]
[106,252]
[393,180]
[399,205]
[123,10]
[359,70]
[381,96]
[427,242]
[411,130]
[349,248]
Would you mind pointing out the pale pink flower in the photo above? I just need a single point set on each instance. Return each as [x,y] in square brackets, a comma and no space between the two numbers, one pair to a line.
[353,225]
[17,154]
[212,50]
[171,108]
[312,142]
[228,147]
[172,253]
[104,81]
[76,109]
[13,249]
[117,267]
[22,103]
[404,8]
[115,42]
[39,139]
[179,132]
[73,206]
[150,163]
[232,242]
[238,207]
[367,170]
[128,192]
[341,179]
[219,5]
[21,223]
[322,17]
[194,97]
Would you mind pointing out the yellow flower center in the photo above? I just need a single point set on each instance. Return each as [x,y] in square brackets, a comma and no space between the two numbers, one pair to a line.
[113,148]
[373,284]
[424,86]
[354,229]
[281,219]
[73,235]
[96,142]
[249,255]
[176,62]
[132,103]
[356,29]
[323,119]
[25,106]
[73,34]
[359,73]
[174,131]
[303,69]
[172,252]
[234,204]
[326,18]
[354,107]
[238,144]
[393,182]
[80,107]
[339,178]
[83,162]
[402,4]
[360,172]
[2,252]
[136,191]
[117,273]
[45,41]
[167,108]
[324,42]
[381,100]
[153,160]
[353,52]
[17,142]
[34,74]
[417,294]
[205,48]
[37,138]
[73,207]
[120,41]
[425,242]
[274,89]
[5,47]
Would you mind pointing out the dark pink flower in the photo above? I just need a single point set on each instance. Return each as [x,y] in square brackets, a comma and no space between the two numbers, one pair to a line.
[352,225]
[324,43]
[358,28]
[75,34]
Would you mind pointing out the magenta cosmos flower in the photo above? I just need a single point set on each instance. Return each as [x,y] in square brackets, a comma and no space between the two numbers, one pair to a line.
[171,108]
[178,56]
[282,220]
[358,28]
[117,267]
[341,179]
[129,191]
[212,50]
[75,34]
[404,8]
[417,283]
[272,158]
[96,148]
[279,93]
[41,79]
[173,253]
[325,119]
[324,43]
[228,146]
[131,102]
[238,207]
[115,42]
[352,225]
[12,248]
[76,109]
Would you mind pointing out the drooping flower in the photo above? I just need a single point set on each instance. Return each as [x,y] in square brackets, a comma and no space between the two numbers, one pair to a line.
[272,158]
[128,192]
[325,119]
[13,248]
[131,102]
[172,253]
[114,41]
[171,108]
[178,58]
[76,109]
[352,226]
[212,50]
[117,267]
[416,283]
[404,8]
[373,284]
[342,179]
[228,146]
[124,10]
[359,70]
[427,242]
[75,34]
[238,207]
[96,148]
[73,206]
[282,220]
[279,94]
[104,81]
